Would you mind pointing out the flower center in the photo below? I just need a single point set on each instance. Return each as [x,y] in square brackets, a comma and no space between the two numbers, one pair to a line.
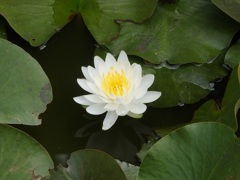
[115,82]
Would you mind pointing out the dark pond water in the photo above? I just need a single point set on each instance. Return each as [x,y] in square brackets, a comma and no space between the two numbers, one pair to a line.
[63,120]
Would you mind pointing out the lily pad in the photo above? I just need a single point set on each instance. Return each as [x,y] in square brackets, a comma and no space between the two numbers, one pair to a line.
[102,17]
[226,112]
[232,57]
[185,84]
[180,32]
[25,89]
[21,156]
[230,7]
[206,150]
[89,164]
[37,21]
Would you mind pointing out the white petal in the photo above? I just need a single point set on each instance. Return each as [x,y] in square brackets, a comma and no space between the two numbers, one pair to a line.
[150,96]
[94,98]
[97,61]
[83,83]
[147,81]
[137,69]
[82,100]
[94,88]
[85,73]
[96,109]
[123,59]
[122,110]
[110,60]
[94,74]
[111,106]
[137,77]
[100,66]
[137,108]
[109,120]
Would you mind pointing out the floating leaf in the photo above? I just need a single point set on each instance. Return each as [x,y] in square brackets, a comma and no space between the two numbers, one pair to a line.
[25,89]
[226,112]
[89,164]
[230,7]
[37,21]
[102,17]
[21,156]
[185,84]
[206,150]
[180,32]
[232,57]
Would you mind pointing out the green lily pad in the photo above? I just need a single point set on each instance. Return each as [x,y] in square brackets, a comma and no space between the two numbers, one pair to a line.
[103,17]
[180,32]
[230,7]
[206,150]
[37,21]
[21,156]
[25,89]
[185,84]
[89,164]
[232,57]
[226,112]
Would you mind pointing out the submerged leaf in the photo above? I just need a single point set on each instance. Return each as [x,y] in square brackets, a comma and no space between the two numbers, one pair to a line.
[129,170]
[204,150]
[25,89]
[21,156]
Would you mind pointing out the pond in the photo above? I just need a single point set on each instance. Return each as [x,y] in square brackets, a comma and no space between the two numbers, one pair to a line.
[66,126]
[193,57]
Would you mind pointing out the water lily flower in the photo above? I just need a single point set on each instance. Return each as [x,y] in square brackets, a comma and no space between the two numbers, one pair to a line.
[115,87]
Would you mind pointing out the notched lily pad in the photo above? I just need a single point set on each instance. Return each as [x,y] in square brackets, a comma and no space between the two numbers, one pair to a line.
[102,17]
[25,89]
[180,33]
[21,156]
[89,164]
[37,21]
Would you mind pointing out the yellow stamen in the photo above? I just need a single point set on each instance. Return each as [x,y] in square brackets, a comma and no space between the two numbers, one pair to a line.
[115,82]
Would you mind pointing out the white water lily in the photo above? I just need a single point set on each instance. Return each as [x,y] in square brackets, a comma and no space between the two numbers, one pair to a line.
[116,87]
